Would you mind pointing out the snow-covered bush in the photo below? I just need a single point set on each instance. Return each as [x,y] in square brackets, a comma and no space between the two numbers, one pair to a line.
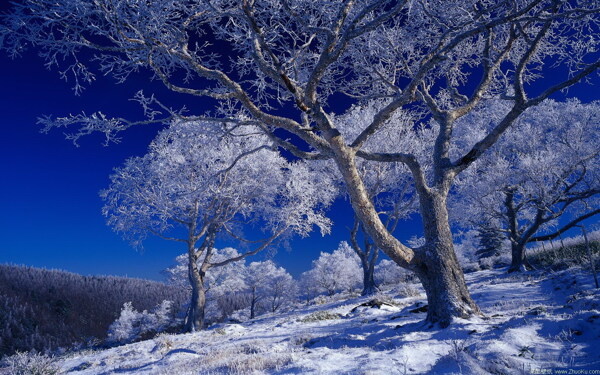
[335,272]
[133,325]
[487,263]
[320,315]
[32,363]
[494,262]
[389,273]
[127,327]
[407,290]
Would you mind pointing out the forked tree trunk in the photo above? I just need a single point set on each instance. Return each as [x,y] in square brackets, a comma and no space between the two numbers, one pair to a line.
[435,264]
[195,316]
[438,268]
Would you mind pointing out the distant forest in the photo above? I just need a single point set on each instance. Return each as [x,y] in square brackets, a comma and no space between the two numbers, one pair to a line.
[45,310]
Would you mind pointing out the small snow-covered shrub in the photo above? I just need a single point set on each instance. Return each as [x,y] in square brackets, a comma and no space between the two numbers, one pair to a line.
[133,325]
[127,327]
[489,263]
[302,340]
[471,267]
[164,343]
[241,315]
[486,263]
[407,290]
[320,300]
[249,358]
[23,363]
[388,272]
[320,315]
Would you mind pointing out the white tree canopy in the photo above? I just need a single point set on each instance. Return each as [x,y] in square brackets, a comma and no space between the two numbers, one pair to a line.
[195,184]
[547,166]
[191,177]
[270,286]
[338,271]
[219,280]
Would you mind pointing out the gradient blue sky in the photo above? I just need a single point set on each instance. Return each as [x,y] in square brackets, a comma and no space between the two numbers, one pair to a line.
[49,192]
[50,209]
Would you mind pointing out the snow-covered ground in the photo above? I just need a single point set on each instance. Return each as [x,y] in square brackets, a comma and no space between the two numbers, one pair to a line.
[535,323]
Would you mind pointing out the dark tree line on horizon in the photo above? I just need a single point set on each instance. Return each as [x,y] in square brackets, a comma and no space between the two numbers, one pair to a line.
[43,310]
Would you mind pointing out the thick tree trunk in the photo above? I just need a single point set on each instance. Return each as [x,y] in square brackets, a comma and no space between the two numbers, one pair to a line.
[195,316]
[519,262]
[438,268]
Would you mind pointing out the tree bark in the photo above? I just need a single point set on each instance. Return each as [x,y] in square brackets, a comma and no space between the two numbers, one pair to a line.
[519,262]
[369,286]
[253,304]
[195,316]
[518,241]
[368,257]
[437,265]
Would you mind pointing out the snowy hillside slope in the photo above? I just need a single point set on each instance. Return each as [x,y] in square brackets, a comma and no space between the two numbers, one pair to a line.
[533,322]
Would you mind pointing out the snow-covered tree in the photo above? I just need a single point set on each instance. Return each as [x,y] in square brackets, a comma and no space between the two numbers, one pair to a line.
[545,168]
[259,286]
[256,276]
[280,289]
[287,64]
[126,328]
[132,325]
[389,186]
[307,288]
[336,272]
[490,239]
[206,185]
[223,285]
[269,286]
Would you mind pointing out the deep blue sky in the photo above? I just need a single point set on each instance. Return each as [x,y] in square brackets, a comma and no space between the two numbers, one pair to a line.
[49,192]
[50,209]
